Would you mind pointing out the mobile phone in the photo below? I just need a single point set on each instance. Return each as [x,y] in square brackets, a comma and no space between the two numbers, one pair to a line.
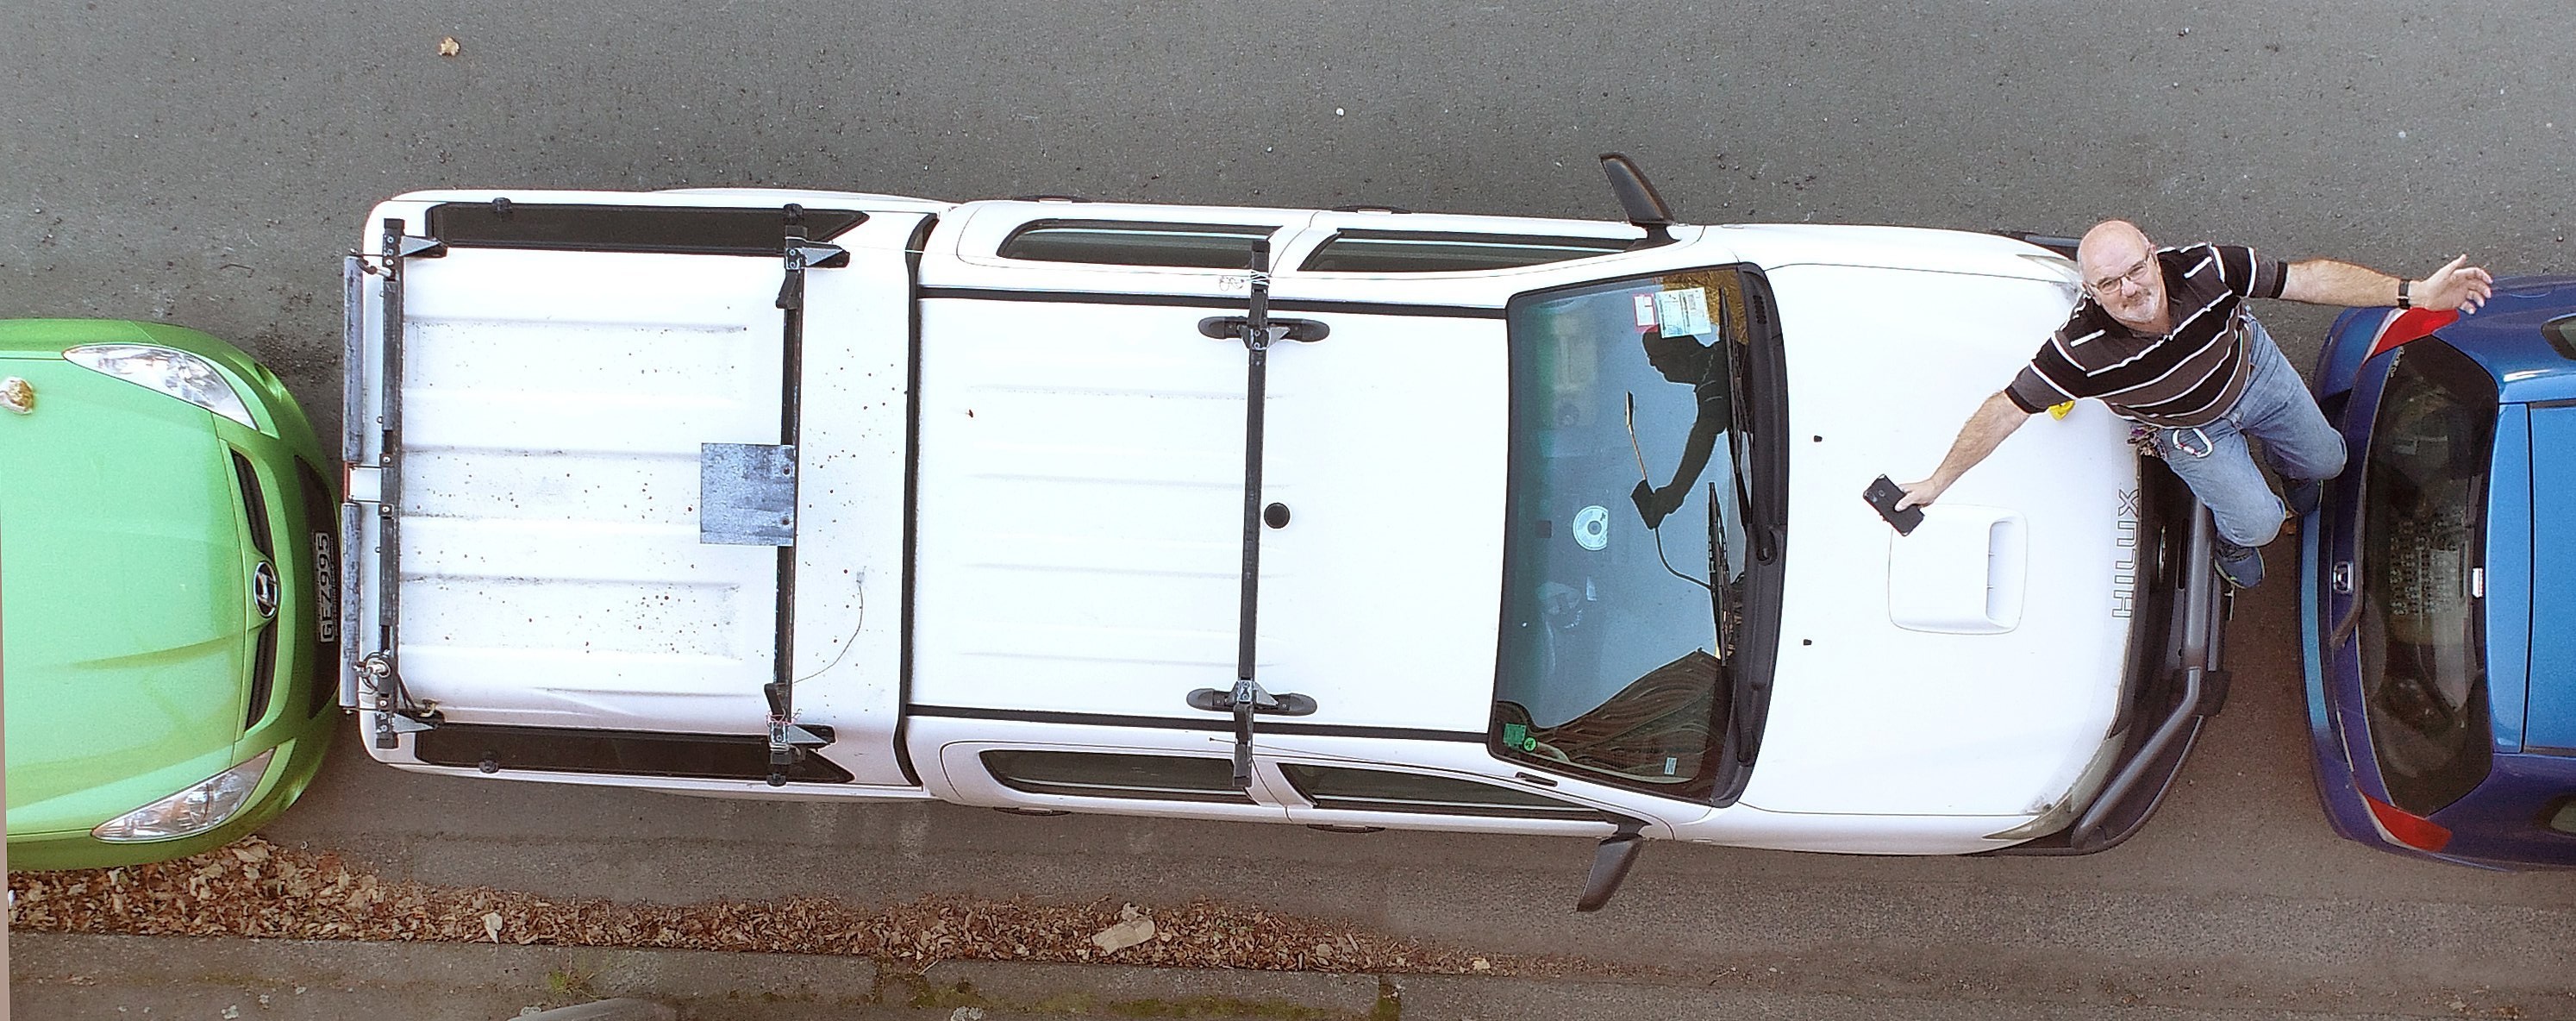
[1882,495]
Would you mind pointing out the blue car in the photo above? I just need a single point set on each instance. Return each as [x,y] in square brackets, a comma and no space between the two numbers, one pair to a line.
[2439,578]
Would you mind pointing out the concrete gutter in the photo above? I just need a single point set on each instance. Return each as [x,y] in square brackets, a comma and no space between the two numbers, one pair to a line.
[130,978]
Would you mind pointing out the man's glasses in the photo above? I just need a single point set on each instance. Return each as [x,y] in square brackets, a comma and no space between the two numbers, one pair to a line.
[2136,276]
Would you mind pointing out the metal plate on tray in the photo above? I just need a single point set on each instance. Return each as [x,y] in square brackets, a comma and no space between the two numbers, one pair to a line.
[746,494]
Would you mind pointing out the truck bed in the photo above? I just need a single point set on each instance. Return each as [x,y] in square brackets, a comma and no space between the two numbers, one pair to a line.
[550,449]
[552,570]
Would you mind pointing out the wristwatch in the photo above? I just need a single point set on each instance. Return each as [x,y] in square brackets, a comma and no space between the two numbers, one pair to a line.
[2402,300]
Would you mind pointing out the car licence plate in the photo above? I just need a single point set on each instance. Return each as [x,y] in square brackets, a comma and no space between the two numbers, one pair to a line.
[326,587]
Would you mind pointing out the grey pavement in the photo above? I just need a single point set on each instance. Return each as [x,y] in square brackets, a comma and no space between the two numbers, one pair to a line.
[133,977]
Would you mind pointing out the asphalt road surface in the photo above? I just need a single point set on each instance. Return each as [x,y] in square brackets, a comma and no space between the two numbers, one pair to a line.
[206,164]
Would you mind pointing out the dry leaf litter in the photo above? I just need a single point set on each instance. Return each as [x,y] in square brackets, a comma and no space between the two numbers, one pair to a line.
[258,889]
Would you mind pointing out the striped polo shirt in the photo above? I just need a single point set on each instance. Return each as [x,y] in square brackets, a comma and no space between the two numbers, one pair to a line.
[2185,378]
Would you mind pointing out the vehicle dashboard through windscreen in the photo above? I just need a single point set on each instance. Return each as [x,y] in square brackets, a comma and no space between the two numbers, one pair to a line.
[1642,533]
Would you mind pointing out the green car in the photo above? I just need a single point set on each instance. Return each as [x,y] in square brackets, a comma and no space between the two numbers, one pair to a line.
[167,564]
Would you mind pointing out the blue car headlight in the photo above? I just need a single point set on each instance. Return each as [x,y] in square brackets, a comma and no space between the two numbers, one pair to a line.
[169,370]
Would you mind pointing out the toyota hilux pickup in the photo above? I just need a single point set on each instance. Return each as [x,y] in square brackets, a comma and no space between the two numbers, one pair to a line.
[1355,519]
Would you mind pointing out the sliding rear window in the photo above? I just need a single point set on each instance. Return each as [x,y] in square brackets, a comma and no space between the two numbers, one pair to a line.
[1123,243]
[1393,251]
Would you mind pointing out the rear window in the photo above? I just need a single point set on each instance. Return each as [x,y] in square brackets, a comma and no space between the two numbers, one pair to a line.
[2422,629]
[614,752]
[1119,243]
[1389,251]
[686,230]
[1111,775]
[1373,790]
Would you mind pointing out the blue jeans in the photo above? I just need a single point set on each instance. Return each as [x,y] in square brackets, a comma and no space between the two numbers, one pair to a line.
[2275,408]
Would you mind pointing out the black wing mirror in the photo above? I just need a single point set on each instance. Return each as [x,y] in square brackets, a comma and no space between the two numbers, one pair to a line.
[1610,863]
[1637,198]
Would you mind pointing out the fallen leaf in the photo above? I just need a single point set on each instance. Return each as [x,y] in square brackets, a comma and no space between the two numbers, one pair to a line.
[492,925]
[447,47]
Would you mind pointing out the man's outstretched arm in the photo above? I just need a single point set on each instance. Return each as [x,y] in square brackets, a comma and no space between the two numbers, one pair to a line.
[1986,430]
[2332,282]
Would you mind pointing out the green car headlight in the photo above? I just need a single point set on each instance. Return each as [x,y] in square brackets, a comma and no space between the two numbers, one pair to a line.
[203,806]
[171,371]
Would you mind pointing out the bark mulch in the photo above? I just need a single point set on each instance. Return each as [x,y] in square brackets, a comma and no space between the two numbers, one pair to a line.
[254,888]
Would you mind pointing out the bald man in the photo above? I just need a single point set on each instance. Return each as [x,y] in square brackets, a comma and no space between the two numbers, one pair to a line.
[2161,336]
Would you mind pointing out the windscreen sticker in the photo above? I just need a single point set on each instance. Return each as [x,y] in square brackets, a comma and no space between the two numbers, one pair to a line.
[1592,527]
[1645,310]
[1684,313]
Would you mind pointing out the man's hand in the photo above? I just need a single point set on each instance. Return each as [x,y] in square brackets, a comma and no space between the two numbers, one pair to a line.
[1921,494]
[2455,285]
[1654,504]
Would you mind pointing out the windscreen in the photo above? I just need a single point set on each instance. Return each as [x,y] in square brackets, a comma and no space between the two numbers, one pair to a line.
[1625,546]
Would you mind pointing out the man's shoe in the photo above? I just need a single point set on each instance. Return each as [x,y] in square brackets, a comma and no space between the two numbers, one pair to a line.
[2303,494]
[2238,565]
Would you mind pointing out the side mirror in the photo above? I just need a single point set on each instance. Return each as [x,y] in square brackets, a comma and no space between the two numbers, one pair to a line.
[1638,199]
[1610,863]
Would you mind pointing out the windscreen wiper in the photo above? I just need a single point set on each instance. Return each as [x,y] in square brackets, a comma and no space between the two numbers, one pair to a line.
[1739,438]
[1721,592]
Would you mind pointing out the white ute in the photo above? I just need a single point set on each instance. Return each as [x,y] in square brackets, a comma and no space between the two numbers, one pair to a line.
[1440,522]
